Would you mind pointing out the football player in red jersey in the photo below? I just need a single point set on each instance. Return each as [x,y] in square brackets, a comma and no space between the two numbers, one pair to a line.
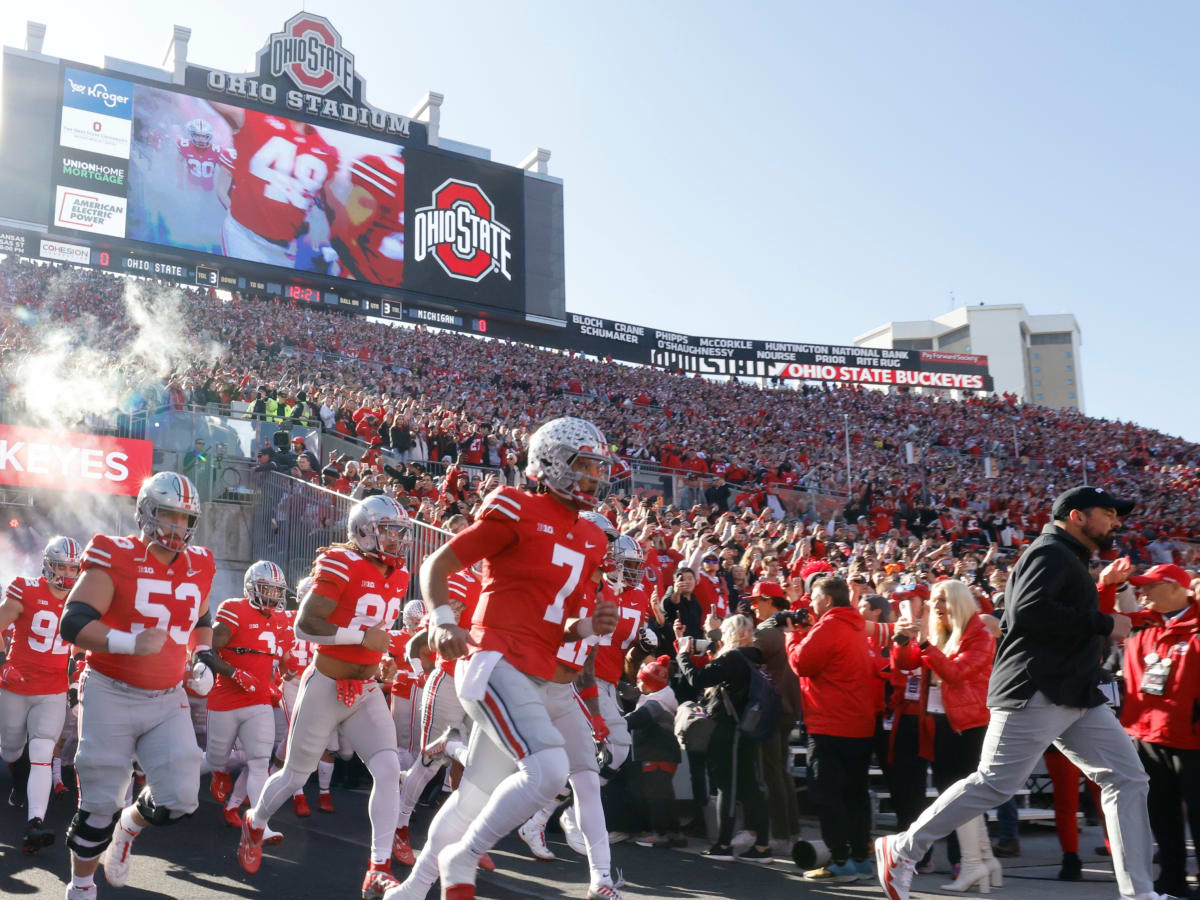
[406,685]
[540,565]
[280,168]
[134,609]
[367,229]
[240,706]
[200,159]
[295,661]
[444,725]
[356,596]
[33,679]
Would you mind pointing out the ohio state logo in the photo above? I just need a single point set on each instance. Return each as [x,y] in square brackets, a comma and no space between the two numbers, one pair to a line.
[460,229]
[309,51]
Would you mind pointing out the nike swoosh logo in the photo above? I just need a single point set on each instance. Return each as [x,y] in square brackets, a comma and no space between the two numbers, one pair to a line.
[589,546]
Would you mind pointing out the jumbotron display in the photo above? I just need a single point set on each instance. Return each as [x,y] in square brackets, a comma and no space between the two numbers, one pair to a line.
[287,169]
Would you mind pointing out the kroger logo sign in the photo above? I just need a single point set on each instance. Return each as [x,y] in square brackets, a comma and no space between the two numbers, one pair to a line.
[111,96]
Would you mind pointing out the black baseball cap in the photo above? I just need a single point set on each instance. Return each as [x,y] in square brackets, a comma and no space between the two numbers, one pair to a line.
[1086,497]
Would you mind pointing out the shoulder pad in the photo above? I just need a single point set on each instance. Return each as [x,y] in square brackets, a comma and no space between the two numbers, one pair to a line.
[103,549]
[502,505]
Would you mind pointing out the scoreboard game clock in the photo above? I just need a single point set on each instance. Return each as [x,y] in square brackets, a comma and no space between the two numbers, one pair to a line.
[303,294]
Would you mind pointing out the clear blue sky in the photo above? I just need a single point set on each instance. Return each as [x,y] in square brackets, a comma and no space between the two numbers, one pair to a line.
[807,170]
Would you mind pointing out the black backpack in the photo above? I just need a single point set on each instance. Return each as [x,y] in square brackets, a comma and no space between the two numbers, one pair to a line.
[760,718]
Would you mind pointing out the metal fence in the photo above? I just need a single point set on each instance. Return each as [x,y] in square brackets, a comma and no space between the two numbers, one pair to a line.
[293,519]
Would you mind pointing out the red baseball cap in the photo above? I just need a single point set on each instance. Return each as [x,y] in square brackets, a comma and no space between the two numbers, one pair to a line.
[910,591]
[1159,574]
[767,589]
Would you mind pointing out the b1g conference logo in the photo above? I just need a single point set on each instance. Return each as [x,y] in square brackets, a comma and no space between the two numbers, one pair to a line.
[459,228]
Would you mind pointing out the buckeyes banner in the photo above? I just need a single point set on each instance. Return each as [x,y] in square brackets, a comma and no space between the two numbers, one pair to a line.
[69,461]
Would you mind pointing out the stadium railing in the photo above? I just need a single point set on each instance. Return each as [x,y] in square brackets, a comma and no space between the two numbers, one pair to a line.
[293,519]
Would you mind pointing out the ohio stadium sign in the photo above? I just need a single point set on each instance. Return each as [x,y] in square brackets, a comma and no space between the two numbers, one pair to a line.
[304,68]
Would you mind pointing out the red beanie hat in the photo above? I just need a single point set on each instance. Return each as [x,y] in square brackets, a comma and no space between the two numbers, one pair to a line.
[654,673]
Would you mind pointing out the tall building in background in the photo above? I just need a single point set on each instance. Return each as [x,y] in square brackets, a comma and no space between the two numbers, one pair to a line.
[1035,357]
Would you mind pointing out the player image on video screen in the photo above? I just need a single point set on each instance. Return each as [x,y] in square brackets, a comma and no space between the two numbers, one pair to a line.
[261,187]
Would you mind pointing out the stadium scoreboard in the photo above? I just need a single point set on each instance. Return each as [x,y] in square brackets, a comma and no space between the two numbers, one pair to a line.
[284,174]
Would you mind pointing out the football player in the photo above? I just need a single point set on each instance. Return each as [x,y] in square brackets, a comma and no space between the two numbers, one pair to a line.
[367,230]
[357,595]
[200,158]
[279,170]
[406,685]
[134,609]
[246,646]
[33,679]
[540,563]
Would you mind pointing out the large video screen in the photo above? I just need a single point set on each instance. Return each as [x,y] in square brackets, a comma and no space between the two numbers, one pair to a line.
[164,166]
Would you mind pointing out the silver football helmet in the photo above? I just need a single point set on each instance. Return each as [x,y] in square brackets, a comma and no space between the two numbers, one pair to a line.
[303,588]
[266,586]
[566,451]
[630,560]
[380,527]
[602,522]
[414,612]
[167,492]
[200,133]
[60,562]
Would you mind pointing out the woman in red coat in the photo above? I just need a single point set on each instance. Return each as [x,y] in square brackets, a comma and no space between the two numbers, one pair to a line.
[958,655]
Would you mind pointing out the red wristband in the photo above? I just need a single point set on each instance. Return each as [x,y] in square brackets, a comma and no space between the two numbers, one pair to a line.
[590,693]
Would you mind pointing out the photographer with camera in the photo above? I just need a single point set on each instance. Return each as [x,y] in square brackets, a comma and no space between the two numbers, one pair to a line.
[769,599]
[732,756]
[837,686]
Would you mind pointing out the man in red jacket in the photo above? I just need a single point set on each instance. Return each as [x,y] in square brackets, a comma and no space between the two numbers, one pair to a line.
[837,687]
[1162,680]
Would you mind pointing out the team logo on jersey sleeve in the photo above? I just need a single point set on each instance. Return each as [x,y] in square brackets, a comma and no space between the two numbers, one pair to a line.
[460,229]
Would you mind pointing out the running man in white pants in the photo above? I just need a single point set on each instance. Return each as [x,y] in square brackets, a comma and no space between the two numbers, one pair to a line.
[1043,690]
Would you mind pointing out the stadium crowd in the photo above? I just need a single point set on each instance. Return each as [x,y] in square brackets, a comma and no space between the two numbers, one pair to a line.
[876,619]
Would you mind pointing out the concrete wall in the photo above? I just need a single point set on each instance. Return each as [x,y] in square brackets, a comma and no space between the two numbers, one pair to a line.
[225,530]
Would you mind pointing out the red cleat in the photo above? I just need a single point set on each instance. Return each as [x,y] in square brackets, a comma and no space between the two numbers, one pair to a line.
[300,805]
[485,863]
[402,850]
[325,802]
[232,818]
[459,892]
[250,847]
[378,880]
[58,790]
[219,785]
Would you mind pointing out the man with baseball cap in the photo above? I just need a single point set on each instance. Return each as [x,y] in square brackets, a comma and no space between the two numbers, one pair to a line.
[1162,684]
[1043,691]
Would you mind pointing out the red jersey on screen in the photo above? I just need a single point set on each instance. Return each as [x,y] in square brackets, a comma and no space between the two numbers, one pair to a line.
[366,598]
[201,162]
[253,647]
[35,648]
[538,561]
[611,650]
[368,234]
[278,173]
[149,594]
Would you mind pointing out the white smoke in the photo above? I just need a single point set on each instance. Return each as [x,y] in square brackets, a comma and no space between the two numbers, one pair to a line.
[84,371]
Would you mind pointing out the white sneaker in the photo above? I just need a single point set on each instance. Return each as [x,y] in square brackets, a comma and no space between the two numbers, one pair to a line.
[117,857]
[604,890]
[534,836]
[894,871]
[78,893]
[571,831]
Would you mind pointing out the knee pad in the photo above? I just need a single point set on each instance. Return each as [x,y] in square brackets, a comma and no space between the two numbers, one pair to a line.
[155,814]
[41,750]
[547,771]
[89,834]
[385,766]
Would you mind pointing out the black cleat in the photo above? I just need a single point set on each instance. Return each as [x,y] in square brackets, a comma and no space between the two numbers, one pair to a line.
[36,837]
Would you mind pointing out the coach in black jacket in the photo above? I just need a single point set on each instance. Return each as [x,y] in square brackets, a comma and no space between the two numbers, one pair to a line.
[1053,631]
[1043,690]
